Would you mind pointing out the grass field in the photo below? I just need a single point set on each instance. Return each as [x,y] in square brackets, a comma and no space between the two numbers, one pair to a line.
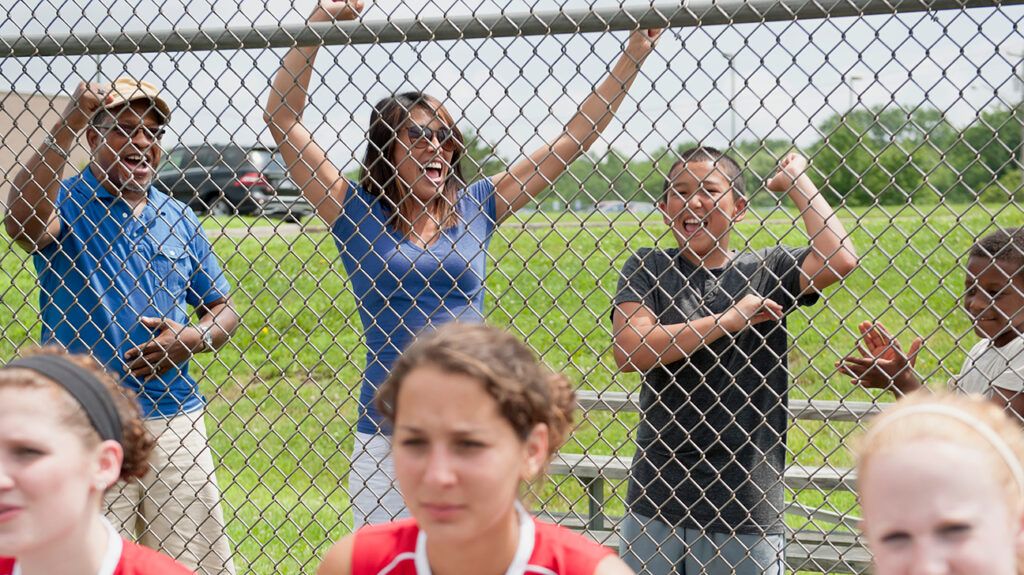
[283,392]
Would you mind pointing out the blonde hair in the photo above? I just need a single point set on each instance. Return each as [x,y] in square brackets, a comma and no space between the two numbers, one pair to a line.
[970,421]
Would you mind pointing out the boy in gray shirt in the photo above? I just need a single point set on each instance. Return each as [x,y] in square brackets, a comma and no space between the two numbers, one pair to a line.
[706,326]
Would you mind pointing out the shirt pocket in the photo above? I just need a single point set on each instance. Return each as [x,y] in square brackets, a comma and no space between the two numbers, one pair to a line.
[171,265]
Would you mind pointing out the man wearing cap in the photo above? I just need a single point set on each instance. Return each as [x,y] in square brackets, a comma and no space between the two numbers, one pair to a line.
[119,263]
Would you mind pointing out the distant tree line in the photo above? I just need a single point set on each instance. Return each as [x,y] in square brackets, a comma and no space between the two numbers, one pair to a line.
[884,155]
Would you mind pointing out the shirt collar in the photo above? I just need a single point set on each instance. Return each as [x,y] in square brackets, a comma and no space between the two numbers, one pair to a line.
[111,557]
[520,561]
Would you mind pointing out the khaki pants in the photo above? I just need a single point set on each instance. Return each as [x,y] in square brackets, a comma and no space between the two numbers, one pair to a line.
[175,508]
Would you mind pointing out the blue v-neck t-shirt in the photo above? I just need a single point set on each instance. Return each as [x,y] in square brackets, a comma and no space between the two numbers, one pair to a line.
[402,289]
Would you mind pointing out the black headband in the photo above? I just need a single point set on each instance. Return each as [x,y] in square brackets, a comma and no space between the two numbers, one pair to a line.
[87,390]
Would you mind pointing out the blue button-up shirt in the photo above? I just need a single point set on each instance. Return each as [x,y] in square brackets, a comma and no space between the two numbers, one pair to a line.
[108,268]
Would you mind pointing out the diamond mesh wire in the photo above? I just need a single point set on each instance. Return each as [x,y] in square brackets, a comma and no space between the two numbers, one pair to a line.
[908,114]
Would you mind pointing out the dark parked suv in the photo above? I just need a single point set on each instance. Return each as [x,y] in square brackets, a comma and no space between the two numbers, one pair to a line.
[229,179]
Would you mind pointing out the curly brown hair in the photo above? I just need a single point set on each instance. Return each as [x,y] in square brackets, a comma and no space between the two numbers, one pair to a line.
[137,443]
[527,392]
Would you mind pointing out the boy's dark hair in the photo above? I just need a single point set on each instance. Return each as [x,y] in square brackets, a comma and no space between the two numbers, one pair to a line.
[1006,246]
[720,159]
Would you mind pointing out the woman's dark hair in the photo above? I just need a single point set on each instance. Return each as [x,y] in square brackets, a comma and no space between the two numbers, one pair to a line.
[379,175]
[137,443]
[527,392]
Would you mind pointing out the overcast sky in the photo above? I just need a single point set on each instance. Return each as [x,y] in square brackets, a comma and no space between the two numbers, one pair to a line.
[789,76]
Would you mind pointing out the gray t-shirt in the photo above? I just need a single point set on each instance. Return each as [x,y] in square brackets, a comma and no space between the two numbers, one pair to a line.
[711,443]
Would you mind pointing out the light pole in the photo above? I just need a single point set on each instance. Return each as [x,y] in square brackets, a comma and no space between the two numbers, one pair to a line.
[99,67]
[730,58]
[850,80]
[1018,71]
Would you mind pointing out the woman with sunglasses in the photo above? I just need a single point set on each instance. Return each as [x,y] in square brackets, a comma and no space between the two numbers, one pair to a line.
[412,234]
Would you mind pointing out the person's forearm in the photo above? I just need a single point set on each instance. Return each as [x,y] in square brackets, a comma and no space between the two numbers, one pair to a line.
[640,348]
[907,382]
[322,184]
[829,241]
[289,91]
[533,174]
[221,320]
[597,111]
[33,193]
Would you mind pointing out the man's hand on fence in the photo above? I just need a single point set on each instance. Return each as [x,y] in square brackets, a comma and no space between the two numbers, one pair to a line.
[750,310]
[173,344]
[329,10]
[87,99]
[883,362]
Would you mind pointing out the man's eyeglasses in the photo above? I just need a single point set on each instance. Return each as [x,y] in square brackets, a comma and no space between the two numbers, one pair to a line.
[129,131]
[421,136]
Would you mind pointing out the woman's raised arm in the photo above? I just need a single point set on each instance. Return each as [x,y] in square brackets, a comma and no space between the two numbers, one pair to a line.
[534,173]
[321,182]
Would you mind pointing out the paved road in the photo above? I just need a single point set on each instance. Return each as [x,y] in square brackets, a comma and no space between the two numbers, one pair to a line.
[316,227]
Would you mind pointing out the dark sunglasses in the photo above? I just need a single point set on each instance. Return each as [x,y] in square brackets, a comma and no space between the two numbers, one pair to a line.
[129,131]
[420,136]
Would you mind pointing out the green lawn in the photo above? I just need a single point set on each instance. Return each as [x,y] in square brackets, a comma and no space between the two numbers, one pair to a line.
[283,392]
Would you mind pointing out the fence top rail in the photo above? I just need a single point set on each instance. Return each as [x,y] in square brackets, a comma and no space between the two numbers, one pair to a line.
[801,409]
[658,14]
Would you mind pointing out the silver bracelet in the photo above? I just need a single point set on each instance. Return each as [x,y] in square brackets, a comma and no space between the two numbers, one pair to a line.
[51,143]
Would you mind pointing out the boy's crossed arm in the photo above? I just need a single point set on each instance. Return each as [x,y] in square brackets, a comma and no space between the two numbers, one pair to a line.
[642,343]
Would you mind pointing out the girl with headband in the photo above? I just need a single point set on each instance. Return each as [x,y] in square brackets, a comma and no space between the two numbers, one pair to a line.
[476,416]
[66,435]
[941,486]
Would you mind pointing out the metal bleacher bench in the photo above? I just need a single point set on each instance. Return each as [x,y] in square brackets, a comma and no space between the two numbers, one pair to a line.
[824,550]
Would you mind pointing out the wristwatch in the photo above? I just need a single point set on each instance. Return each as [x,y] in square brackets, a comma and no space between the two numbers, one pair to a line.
[207,336]
[50,142]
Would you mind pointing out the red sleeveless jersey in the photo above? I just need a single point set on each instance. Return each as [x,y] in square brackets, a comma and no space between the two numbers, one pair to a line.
[399,549]
[135,560]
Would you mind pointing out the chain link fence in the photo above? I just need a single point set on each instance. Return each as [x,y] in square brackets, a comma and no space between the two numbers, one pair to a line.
[908,113]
